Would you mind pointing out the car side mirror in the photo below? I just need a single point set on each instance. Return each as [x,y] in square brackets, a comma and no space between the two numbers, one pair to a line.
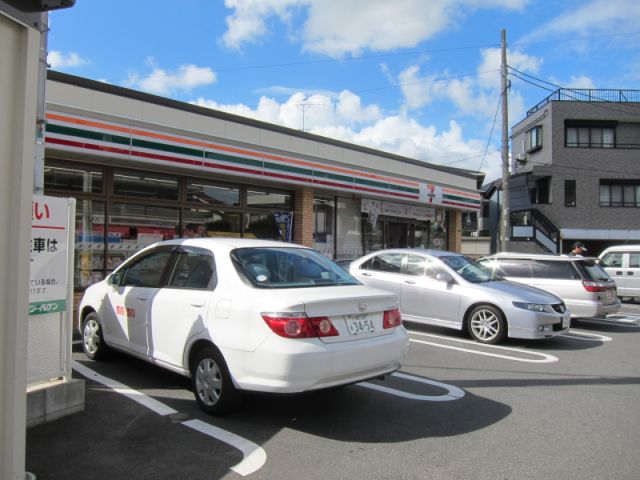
[444,277]
[114,279]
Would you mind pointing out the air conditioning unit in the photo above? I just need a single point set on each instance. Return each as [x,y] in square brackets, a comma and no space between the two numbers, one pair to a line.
[521,157]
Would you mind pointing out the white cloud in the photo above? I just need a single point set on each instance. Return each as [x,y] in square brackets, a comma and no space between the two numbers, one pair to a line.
[345,118]
[163,82]
[57,60]
[592,16]
[337,27]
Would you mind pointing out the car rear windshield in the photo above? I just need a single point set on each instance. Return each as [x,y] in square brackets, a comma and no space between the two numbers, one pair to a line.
[285,267]
[590,270]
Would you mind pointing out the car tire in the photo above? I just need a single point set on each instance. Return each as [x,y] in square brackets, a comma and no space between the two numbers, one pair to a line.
[212,384]
[93,343]
[486,324]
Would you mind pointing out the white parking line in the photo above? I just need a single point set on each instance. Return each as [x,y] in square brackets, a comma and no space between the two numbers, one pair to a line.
[254,455]
[455,393]
[594,336]
[607,321]
[545,357]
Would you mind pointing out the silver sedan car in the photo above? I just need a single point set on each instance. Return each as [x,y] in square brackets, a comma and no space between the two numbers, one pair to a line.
[450,290]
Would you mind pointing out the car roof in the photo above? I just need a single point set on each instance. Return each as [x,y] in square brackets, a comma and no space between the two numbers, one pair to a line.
[424,251]
[537,256]
[228,242]
[622,248]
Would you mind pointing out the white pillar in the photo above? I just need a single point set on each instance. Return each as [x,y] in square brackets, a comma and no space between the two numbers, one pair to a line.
[19,46]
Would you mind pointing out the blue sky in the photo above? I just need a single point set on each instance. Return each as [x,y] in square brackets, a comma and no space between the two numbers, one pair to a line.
[418,78]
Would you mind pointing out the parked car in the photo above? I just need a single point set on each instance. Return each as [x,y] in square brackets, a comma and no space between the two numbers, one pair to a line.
[622,263]
[586,289]
[451,290]
[243,314]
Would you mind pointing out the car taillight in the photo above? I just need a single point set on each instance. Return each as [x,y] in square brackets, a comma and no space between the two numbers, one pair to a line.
[392,318]
[591,286]
[299,325]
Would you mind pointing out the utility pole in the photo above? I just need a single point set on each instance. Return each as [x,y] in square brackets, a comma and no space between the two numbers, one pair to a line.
[504,217]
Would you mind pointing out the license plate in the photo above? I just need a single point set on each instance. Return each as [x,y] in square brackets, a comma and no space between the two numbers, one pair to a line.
[609,295]
[359,323]
[566,322]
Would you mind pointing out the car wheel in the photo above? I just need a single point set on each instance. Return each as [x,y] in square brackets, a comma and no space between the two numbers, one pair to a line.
[212,385]
[486,324]
[92,342]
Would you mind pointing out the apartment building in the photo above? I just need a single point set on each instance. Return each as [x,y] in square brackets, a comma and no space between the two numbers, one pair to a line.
[576,164]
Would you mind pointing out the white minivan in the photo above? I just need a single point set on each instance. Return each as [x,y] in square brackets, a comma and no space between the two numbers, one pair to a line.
[622,263]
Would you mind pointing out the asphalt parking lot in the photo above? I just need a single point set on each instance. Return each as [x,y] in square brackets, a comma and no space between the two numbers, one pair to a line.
[561,408]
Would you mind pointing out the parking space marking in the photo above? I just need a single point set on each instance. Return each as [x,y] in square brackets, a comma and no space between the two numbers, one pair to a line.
[545,357]
[254,455]
[594,336]
[607,321]
[136,396]
[455,393]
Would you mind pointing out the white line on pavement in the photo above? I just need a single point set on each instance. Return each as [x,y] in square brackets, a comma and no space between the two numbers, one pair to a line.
[595,337]
[546,358]
[136,396]
[455,393]
[254,455]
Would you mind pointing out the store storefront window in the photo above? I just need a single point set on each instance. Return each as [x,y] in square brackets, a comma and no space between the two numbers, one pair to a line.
[438,231]
[211,223]
[264,226]
[323,225]
[70,178]
[373,233]
[348,234]
[206,193]
[89,247]
[264,198]
[132,227]
[144,185]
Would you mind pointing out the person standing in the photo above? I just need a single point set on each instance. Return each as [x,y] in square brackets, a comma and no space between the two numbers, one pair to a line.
[577,249]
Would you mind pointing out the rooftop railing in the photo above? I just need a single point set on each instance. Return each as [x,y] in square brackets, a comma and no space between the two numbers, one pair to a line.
[589,95]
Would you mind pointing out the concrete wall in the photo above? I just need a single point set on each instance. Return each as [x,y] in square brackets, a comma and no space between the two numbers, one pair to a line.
[19,46]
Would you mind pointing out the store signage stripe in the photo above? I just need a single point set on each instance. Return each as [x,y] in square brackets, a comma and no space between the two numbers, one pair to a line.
[91,135]
[204,144]
[458,204]
[244,161]
[473,196]
[84,145]
[461,199]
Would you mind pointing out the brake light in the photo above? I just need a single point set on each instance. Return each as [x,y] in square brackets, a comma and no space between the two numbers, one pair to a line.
[591,286]
[392,318]
[299,325]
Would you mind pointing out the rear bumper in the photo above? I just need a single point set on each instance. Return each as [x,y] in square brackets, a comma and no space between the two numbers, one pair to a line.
[590,309]
[284,365]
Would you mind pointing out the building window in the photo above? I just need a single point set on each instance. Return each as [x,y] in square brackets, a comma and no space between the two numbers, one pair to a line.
[145,185]
[619,193]
[72,178]
[323,225]
[534,139]
[569,193]
[541,192]
[590,137]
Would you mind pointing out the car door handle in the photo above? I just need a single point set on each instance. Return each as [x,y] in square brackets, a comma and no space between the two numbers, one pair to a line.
[410,282]
[142,299]
[365,274]
[618,273]
[197,304]
[629,273]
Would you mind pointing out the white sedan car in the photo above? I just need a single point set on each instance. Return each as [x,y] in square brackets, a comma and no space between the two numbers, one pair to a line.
[242,314]
[451,290]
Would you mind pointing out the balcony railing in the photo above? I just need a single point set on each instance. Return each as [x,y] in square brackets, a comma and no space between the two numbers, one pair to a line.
[589,95]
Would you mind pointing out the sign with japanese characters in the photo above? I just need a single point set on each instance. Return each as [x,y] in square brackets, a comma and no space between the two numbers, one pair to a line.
[48,281]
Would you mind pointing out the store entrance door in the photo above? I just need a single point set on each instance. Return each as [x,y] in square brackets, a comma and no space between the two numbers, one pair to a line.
[397,235]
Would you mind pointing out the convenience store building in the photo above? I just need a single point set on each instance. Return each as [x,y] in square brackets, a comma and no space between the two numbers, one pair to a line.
[143,168]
